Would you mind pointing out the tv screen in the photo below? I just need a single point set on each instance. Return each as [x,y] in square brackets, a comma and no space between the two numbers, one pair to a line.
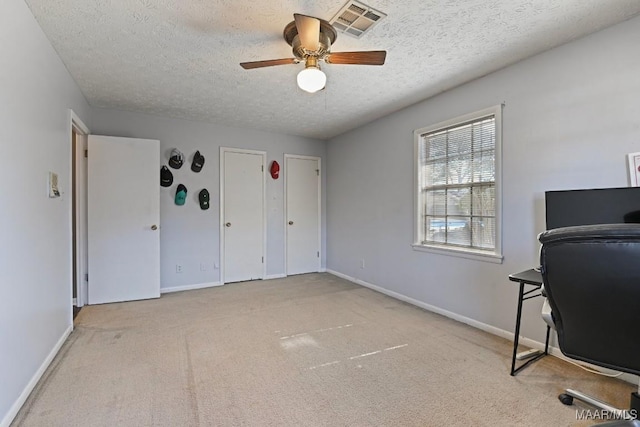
[599,206]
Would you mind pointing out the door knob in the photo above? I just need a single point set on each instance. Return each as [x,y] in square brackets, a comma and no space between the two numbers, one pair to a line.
[154,227]
[290,222]
[228,224]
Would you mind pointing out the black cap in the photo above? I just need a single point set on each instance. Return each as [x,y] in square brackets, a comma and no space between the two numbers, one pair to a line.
[204,199]
[198,162]
[166,177]
[176,159]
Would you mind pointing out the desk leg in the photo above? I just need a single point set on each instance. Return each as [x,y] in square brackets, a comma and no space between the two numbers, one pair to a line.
[546,343]
[517,333]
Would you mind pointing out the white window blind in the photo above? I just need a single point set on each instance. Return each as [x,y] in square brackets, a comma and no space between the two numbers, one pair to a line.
[456,194]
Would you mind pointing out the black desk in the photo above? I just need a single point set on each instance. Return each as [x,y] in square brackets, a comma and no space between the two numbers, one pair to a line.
[533,278]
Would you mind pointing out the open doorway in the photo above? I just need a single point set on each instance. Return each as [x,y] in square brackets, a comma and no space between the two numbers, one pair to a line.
[79,133]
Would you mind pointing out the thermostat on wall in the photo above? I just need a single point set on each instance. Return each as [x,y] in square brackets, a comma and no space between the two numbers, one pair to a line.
[53,185]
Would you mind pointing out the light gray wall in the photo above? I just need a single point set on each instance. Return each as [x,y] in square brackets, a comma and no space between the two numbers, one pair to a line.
[36,92]
[188,235]
[571,115]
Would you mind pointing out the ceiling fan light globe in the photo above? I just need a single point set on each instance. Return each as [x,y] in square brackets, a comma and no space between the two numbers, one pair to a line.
[311,80]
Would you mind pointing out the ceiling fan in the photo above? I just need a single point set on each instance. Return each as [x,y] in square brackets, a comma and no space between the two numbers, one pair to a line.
[311,39]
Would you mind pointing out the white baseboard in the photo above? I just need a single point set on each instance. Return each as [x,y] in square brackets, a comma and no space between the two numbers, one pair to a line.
[455,316]
[8,418]
[189,287]
[322,270]
[528,342]
[75,301]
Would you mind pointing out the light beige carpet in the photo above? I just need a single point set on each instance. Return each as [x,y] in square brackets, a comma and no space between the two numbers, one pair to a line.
[310,350]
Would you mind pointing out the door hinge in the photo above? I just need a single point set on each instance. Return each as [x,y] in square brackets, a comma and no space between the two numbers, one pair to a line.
[318,172]
[262,168]
[263,260]
[86,153]
[318,254]
[86,277]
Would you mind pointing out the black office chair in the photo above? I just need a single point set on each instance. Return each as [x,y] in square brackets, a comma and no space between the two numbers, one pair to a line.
[591,277]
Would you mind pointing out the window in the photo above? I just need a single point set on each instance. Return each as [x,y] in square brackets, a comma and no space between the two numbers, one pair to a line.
[458,185]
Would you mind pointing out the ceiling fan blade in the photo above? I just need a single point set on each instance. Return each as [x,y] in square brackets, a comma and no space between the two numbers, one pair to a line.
[267,63]
[309,31]
[372,57]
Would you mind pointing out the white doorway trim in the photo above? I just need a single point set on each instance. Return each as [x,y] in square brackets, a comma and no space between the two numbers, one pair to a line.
[286,207]
[224,150]
[79,233]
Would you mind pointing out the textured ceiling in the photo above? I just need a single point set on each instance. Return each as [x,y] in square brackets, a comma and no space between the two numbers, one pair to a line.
[179,58]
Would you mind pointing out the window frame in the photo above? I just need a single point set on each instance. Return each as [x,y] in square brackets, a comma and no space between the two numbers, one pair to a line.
[494,256]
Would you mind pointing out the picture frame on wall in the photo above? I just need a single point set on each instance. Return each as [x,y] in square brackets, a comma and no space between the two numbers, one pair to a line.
[633,161]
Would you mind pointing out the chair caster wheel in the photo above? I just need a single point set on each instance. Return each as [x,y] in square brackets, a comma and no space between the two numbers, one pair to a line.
[566,399]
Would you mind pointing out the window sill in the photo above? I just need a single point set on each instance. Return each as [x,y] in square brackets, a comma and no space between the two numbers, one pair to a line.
[462,253]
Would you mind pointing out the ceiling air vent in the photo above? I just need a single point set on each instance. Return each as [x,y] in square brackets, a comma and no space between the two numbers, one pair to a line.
[356,19]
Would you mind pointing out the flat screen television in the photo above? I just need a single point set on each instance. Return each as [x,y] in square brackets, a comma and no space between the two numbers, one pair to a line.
[598,206]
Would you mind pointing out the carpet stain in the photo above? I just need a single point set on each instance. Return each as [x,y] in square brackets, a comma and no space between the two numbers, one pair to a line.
[333,328]
[335,362]
[299,341]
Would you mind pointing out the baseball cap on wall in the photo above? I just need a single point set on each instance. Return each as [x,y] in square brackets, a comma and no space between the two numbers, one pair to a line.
[166,177]
[203,196]
[181,195]
[177,159]
[198,162]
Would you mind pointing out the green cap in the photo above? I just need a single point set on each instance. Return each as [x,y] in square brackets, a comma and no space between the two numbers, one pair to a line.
[181,195]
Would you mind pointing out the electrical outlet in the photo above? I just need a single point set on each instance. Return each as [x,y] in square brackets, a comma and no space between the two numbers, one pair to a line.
[178,268]
[362,263]
[203,266]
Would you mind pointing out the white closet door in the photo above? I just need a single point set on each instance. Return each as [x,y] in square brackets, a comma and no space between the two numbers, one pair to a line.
[302,175]
[243,215]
